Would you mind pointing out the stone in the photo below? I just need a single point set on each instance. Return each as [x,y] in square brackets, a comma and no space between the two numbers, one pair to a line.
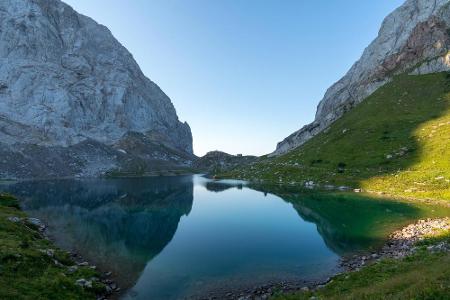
[343,188]
[84,283]
[108,289]
[14,219]
[413,38]
[38,223]
[35,222]
[50,252]
[58,264]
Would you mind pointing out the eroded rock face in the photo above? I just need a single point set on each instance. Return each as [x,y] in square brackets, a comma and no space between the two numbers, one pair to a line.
[415,38]
[65,80]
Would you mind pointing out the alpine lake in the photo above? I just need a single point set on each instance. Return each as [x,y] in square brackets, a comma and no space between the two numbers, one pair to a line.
[190,237]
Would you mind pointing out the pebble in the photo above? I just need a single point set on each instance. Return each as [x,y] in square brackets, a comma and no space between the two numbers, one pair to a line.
[84,283]
[38,223]
[35,221]
[14,219]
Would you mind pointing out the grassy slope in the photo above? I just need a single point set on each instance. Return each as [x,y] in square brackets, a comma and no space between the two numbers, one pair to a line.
[26,272]
[425,275]
[396,141]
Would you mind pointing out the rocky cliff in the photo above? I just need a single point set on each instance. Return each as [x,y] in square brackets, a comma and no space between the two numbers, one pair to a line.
[415,39]
[68,85]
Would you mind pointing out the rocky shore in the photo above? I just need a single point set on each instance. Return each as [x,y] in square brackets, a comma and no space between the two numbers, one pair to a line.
[261,292]
[111,287]
[400,244]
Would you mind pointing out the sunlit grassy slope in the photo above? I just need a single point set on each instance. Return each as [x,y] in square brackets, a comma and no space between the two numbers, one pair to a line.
[396,141]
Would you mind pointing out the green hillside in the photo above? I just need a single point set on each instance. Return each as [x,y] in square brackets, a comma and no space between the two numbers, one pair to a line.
[397,141]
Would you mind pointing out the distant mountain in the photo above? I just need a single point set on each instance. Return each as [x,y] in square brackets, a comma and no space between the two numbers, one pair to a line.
[218,161]
[72,98]
[414,39]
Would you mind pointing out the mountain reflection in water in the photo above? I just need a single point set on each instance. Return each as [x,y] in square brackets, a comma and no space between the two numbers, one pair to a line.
[175,237]
[119,224]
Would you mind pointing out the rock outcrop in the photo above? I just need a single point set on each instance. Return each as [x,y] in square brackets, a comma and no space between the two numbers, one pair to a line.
[414,39]
[66,84]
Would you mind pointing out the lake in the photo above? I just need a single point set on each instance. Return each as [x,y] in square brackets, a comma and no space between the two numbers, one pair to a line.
[188,236]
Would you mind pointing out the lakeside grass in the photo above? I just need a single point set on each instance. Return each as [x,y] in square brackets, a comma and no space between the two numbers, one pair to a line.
[26,271]
[424,275]
[397,141]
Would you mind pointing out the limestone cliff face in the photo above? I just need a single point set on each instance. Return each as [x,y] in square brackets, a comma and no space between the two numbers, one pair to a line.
[415,38]
[65,80]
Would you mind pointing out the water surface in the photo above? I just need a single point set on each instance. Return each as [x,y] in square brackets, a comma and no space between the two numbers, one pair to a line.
[177,237]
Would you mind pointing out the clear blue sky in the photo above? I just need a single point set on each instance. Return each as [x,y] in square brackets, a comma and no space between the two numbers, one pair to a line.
[243,73]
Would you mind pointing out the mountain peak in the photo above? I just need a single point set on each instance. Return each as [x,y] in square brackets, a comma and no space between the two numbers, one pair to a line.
[65,80]
[414,39]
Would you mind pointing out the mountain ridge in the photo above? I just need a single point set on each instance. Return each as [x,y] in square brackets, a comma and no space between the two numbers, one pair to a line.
[414,38]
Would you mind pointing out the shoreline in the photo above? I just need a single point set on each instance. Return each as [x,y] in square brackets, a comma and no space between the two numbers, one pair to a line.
[401,243]
[112,289]
[85,278]
[32,266]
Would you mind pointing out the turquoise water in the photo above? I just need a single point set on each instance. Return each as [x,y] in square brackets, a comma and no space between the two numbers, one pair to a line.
[177,237]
